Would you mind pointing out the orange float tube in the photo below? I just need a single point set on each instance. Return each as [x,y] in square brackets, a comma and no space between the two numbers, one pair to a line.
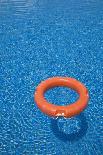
[55,110]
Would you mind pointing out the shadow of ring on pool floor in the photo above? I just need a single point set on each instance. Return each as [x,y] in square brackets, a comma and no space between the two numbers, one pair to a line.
[71,136]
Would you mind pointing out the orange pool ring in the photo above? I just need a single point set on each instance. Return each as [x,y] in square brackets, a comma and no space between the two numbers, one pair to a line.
[55,110]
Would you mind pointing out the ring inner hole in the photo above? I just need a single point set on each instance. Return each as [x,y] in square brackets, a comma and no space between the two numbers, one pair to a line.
[61,95]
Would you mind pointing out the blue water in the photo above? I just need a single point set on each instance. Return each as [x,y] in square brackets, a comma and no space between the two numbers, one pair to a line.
[40,39]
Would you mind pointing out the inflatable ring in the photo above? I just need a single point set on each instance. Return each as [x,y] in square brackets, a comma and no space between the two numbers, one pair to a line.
[55,110]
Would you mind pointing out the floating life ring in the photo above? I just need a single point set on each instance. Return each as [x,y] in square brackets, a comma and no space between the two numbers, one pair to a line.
[56,110]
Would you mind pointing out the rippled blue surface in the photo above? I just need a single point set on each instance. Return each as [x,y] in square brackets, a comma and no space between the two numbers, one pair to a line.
[41,39]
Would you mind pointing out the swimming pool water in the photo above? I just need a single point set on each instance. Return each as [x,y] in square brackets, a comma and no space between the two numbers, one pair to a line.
[40,39]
